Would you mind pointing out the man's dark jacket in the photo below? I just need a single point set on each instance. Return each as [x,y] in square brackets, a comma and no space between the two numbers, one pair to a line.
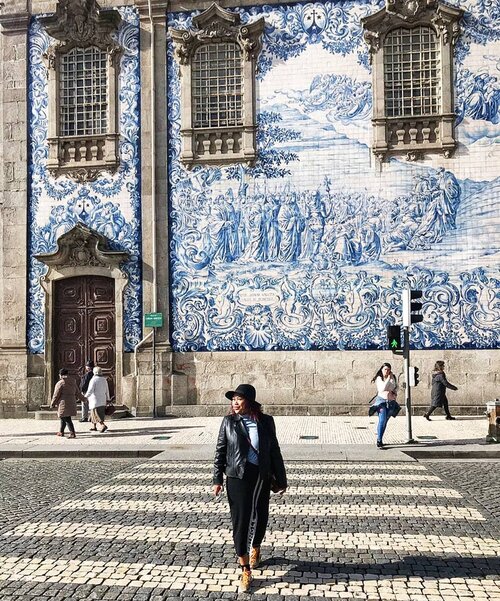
[85,381]
[233,445]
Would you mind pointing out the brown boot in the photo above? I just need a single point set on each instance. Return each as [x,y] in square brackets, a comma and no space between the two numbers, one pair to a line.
[255,557]
[245,580]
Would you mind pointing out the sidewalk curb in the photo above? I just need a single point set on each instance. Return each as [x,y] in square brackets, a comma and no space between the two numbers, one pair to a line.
[290,452]
[452,454]
[67,454]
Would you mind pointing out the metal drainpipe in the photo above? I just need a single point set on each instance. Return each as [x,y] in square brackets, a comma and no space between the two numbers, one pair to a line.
[153,190]
[153,154]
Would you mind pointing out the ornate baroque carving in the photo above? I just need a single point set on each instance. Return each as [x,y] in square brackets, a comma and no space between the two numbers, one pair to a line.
[218,25]
[82,23]
[83,247]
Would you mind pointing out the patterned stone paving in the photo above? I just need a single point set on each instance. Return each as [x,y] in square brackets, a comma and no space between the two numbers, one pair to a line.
[138,531]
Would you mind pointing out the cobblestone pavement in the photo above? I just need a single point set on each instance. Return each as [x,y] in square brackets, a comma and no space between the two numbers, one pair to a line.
[151,531]
[478,480]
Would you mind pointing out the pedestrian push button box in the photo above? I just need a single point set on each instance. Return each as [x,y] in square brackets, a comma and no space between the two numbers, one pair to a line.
[493,413]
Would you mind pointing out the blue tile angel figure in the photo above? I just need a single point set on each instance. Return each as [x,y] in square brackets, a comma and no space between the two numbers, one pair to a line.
[109,221]
[291,224]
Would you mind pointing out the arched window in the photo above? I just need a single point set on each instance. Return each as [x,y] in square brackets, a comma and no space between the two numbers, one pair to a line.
[83,92]
[217,84]
[412,73]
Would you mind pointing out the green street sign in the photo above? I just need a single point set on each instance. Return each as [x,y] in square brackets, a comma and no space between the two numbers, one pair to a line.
[153,320]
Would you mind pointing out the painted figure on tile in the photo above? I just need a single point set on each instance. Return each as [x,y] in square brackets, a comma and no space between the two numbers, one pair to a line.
[291,224]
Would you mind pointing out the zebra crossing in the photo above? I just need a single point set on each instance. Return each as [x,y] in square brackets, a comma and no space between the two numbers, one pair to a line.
[385,531]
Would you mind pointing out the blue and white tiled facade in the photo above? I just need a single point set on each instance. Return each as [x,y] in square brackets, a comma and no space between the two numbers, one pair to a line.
[111,204]
[310,248]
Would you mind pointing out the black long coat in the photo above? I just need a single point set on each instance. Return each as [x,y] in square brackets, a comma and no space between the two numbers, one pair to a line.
[438,391]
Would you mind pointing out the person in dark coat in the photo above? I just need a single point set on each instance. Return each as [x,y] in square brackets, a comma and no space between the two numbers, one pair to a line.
[66,393]
[249,455]
[84,384]
[438,391]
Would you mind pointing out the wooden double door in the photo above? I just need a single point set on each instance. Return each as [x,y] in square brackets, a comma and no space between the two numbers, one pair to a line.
[84,325]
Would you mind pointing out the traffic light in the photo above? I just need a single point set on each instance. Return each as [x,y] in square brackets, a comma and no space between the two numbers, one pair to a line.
[394,338]
[414,376]
[412,307]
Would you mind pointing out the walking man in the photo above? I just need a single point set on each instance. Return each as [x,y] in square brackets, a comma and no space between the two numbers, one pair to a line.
[84,384]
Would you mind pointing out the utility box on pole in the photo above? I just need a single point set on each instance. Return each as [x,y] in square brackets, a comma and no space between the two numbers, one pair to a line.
[493,412]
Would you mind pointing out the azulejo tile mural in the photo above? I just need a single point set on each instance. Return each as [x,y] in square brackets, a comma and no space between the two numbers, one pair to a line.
[311,248]
[110,205]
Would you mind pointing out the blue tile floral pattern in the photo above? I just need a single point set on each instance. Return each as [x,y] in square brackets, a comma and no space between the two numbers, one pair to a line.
[111,204]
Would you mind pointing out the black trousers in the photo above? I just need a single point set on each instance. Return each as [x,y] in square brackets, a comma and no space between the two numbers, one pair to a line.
[69,422]
[249,505]
[446,409]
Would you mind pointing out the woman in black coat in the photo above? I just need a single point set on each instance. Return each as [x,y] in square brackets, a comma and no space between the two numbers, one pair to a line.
[249,454]
[438,391]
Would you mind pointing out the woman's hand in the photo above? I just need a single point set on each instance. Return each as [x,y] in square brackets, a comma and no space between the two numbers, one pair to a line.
[217,489]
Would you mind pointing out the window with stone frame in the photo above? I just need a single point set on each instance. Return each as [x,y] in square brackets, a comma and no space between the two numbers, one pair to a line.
[83,92]
[83,85]
[217,67]
[411,51]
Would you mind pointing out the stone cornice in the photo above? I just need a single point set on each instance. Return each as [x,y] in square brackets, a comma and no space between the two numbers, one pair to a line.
[14,23]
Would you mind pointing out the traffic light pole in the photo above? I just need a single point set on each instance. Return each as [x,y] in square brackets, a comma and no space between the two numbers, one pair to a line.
[406,357]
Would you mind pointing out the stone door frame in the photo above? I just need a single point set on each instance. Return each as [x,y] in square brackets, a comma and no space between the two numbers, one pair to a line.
[82,252]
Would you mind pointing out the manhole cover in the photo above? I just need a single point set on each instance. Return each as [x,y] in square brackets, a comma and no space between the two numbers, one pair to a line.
[161,437]
[427,437]
[360,428]
[308,437]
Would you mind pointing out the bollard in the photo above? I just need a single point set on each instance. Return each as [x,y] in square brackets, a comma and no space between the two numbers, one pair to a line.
[493,413]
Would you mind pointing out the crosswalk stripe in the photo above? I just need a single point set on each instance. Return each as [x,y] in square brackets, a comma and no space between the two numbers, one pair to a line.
[198,475]
[322,467]
[429,512]
[434,544]
[293,581]
[391,491]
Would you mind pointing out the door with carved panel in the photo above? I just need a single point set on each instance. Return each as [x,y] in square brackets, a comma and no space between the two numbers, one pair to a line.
[84,325]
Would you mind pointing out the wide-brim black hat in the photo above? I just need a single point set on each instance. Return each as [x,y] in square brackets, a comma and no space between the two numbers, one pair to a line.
[247,391]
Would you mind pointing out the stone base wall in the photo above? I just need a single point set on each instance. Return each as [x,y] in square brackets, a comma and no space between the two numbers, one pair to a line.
[329,383]
[288,383]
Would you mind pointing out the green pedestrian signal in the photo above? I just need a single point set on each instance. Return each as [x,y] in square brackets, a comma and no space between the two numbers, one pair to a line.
[394,338]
